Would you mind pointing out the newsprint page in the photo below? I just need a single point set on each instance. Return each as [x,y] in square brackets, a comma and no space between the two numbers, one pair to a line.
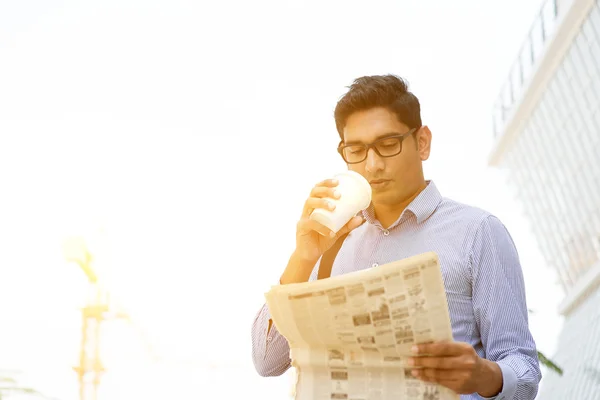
[350,335]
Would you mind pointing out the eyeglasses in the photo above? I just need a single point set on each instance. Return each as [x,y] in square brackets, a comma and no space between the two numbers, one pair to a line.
[385,147]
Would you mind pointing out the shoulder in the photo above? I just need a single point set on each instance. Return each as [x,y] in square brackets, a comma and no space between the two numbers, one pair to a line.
[462,213]
[485,239]
[473,221]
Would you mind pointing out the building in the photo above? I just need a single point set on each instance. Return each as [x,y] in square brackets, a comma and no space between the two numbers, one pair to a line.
[547,137]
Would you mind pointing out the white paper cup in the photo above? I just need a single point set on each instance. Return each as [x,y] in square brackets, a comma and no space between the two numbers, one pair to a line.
[355,195]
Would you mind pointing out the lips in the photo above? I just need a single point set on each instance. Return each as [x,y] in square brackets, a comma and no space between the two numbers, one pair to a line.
[378,181]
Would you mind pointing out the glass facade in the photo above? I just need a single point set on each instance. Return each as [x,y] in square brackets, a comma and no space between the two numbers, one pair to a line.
[553,165]
[531,50]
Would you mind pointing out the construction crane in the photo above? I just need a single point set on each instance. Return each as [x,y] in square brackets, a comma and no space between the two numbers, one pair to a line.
[97,311]
[101,308]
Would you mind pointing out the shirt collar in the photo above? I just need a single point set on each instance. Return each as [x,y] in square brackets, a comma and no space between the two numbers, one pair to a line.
[421,207]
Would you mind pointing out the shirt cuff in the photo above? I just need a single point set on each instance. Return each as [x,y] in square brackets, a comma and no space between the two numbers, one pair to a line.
[509,383]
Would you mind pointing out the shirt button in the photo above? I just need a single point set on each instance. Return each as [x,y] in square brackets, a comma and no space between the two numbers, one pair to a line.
[386,232]
[375,265]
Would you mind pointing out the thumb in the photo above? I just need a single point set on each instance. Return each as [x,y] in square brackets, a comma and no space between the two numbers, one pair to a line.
[350,226]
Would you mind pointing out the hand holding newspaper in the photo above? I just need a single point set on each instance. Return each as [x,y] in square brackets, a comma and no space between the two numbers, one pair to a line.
[350,335]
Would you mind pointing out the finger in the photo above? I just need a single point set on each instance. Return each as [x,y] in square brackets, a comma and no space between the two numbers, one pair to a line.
[354,223]
[312,203]
[452,384]
[328,183]
[306,226]
[441,349]
[436,362]
[435,375]
[325,191]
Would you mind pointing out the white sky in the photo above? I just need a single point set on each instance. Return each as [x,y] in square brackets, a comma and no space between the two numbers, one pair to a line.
[192,133]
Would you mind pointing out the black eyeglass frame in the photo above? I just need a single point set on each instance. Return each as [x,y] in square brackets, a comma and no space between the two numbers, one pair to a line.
[373,146]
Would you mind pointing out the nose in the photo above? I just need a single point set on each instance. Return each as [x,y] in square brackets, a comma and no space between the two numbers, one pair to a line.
[374,161]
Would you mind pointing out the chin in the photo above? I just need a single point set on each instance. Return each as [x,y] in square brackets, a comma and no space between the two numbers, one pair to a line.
[385,197]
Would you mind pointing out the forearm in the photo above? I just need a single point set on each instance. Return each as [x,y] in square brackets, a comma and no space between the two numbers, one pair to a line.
[297,270]
[270,350]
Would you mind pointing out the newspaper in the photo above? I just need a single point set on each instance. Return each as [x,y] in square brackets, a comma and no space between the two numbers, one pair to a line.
[350,335]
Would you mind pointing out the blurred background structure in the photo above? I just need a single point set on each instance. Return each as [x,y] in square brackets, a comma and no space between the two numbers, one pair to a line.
[547,135]
[97,311]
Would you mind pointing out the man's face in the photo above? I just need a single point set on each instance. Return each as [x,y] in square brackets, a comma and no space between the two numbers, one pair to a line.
[393,179]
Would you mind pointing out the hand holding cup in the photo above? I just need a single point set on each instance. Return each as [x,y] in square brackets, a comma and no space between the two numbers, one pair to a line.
[330,212]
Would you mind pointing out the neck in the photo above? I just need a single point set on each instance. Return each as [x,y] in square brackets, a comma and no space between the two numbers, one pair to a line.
[387,214]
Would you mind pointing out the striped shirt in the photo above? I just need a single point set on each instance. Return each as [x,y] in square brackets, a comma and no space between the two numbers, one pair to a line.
[482,277]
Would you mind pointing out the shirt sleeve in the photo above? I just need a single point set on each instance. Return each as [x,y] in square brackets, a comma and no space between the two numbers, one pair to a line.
[270,350]
[500,309]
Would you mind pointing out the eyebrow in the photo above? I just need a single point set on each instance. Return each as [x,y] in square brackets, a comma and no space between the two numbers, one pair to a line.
[383,136]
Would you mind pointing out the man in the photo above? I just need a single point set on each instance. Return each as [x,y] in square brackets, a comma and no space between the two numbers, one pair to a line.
[382,138]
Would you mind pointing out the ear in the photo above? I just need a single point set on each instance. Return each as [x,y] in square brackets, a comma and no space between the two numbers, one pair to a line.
[424,142]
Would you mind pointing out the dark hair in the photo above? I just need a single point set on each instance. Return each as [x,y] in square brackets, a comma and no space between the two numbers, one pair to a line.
[388,91]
